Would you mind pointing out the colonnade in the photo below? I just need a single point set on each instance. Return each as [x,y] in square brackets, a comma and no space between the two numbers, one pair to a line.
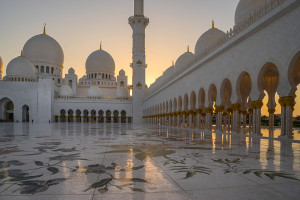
[231,119]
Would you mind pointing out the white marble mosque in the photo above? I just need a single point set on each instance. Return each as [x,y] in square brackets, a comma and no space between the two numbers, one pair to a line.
[195,133]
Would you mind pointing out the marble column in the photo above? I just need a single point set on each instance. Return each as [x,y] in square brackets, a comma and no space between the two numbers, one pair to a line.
[236,115]
[190,115]
[271,118]
[208,120]
[287,108]
[219,111]
[256,106]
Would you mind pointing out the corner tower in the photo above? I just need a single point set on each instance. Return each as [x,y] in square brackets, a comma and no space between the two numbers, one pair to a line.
[138,23]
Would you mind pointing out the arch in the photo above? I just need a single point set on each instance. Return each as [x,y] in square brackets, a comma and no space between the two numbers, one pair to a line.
[212,95]
[108,116]
[101,116]
[7,110]
[174,105]
[62,115]
[123,116]
[93,116]
[243,90]
[268,81]
[25,113]
[170,106]
[78,115]
[70,115]
[225,93]
[193,101]
[85,116]
[201,98]
[294,71]
[179,104]
[116,116]
[186,102]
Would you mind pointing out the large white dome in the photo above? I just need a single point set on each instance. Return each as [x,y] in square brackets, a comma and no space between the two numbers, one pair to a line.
[245,8]
[208,39]
[100,62]
[20,67]
[94,91]
[65,91]
[43,48]
[122,92]
[183,61]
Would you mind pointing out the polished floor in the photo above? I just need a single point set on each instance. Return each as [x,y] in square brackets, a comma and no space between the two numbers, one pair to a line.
[73,161]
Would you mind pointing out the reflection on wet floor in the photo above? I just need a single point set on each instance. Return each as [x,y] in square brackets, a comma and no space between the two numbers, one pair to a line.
[93,161]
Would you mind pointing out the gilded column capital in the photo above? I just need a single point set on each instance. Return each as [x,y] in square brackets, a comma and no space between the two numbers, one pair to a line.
[209,110]
[219,109]
[257,104]
[229,110]
[250,110]
[271,110]
[287,101]
[199,111]
[236,107]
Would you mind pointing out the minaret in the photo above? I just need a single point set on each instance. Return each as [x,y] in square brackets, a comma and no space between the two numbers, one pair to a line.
[138,23]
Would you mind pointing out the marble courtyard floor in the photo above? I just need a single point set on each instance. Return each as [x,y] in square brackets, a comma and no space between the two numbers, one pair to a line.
[73,161]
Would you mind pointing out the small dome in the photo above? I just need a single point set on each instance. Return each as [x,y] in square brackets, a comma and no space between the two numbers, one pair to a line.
[71,71]
[208,39]
[184,60]
[121,72]
[122,92]
[20,67]
[245,8]
[65,91]
[43,48]
[94,91]
[100,61]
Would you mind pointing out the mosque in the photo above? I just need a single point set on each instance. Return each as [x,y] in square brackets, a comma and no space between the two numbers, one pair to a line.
[222,82]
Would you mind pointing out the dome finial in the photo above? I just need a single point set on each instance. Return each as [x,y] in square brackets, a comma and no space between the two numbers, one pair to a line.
[188,49]
[44,32]
[213,25]
[21,53]
[172,63]
[101,45]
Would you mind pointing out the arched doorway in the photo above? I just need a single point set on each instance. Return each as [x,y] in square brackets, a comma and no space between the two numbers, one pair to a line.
[93,116]
[123,116]
[108,116]
[25,113]
[116,116]
[70,115]
[62,115]
[85,116]
[9,111]
[78,116]
[101,116]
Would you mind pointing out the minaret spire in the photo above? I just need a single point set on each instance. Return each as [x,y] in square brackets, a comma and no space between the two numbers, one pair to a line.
[138,7]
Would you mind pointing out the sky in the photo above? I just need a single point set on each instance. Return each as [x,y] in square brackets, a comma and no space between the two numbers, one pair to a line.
[80,25]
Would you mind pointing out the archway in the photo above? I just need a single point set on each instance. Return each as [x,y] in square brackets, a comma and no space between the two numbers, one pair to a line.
[201,103]
[85,116]
[224,110]
[6,110]
[123,116]
[25,113]
[192,111]
[268,81]
[93,116]
[243,90]
[78,116]
[180,112]
[116,116]
[101,116]
[108,116]
[70,115]
[62,115]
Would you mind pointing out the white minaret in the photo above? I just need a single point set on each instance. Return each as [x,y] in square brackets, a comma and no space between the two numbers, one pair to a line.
[138,23]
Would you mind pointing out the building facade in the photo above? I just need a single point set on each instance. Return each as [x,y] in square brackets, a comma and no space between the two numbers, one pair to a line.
[224,80]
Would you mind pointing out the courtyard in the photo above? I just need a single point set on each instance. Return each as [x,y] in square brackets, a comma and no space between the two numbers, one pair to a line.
[123,161]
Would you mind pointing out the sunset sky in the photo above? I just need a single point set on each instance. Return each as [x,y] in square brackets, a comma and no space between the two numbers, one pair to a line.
[80,25]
